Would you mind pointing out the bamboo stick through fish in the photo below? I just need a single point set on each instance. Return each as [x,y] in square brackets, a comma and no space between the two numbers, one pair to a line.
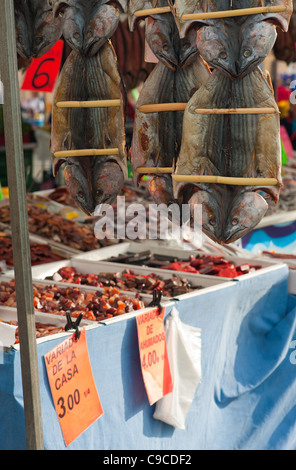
[214,14]
[231,13]
[237,111]
[162,107]
[152,11]
[85,152]
[154,170]
[226,180]
[155,108]
[89,104]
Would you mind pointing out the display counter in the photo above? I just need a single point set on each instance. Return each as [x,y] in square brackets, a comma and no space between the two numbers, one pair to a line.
[247,329]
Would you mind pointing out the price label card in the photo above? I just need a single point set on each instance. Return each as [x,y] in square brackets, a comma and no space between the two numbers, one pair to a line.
[153,355]
[72,386]
[43,72]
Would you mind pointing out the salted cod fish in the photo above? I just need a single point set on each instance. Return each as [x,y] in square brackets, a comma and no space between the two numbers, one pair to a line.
[234,45]
[91,180]
[178,74]
[36,28]
[234,146]
[87,24]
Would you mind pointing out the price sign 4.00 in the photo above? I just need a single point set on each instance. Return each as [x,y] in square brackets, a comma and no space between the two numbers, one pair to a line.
[153,354]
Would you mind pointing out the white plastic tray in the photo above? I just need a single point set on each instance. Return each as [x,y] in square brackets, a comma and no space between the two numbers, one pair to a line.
[105,253]
[206,282]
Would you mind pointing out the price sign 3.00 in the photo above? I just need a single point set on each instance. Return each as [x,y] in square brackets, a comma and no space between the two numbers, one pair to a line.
[72,386]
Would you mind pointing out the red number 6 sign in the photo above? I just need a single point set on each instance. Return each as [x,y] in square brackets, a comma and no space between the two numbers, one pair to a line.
[43,72]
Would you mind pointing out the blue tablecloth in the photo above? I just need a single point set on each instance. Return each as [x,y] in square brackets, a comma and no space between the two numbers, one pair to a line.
[245,400]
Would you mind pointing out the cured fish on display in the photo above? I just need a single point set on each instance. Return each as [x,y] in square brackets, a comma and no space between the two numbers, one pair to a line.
[236,146]
[91,179]
[178,74]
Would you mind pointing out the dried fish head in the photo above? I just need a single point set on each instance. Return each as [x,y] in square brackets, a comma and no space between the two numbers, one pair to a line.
[217,43]
[257,40]
[161,190]
[108,180]
[87,24]
[163,38]
[47,29]
[23,28]
[211,212]
[36,28]
[228,213]
[247,210]
[78,184]
[188,50]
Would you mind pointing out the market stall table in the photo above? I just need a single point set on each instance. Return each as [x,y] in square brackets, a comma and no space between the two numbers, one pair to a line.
[247,370]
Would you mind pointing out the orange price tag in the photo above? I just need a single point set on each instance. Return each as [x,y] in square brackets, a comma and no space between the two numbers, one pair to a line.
[72,386]
[153,355]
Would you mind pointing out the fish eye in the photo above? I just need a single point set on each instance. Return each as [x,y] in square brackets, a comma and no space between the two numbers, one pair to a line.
[186,45]
[165,47]
[99,193]
[61,10]
[212,221]
[223,55]
[247,53]
[38,40]
[234,222]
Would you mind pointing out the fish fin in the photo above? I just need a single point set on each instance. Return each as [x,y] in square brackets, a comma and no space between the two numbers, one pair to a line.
[269,81]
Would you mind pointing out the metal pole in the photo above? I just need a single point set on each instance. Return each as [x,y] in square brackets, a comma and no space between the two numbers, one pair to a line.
[19,226]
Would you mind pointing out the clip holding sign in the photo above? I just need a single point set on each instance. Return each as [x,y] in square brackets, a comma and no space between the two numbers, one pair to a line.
[70,325]
[157,295]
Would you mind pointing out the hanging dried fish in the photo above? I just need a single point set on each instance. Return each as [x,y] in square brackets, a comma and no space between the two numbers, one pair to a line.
[242,145]
[91,180]
[177,75]
[36,28]
[234,45]
[88,24]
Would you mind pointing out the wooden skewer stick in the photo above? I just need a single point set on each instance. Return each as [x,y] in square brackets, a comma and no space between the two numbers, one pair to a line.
[155,108]
[85,152]
[152,11]
[237,111]
[161,107]
[231,13]
[154,170]
[88,104]
[226,180]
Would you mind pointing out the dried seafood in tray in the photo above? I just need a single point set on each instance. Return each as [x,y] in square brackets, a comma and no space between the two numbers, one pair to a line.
[42,329]
[57,229]
[57,300]
[127,280]
[40,253]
